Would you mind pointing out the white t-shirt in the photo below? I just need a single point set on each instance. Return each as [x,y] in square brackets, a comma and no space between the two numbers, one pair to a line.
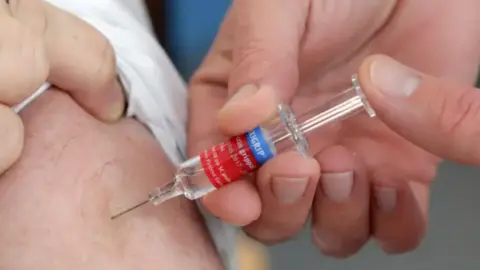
[157,96]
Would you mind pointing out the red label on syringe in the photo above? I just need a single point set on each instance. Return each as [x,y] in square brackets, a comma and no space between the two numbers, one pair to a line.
[228,161]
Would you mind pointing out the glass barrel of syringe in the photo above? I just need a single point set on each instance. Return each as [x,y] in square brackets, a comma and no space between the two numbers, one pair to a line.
[241,155]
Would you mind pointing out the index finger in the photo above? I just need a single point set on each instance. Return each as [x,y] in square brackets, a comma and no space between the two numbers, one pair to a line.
[82,62]
[40,42]
[265,52]
[239,202]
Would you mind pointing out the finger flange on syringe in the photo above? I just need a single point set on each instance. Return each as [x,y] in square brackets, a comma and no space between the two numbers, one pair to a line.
[229,161]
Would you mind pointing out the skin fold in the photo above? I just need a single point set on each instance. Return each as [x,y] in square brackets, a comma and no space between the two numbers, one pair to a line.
[75,172]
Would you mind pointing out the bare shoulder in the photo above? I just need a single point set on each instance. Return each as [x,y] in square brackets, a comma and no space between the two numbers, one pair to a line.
[75,172]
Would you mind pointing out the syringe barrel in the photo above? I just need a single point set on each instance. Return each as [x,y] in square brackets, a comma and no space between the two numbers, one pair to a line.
[240,155]
[224,163]
[342,106]
[289,130]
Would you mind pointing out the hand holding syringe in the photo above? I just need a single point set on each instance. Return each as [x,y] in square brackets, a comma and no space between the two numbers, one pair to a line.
[229,161]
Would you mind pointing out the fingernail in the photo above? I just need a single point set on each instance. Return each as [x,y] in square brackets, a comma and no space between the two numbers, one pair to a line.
[117,109]
[386,247]
[326,242]
[337,186]
[393,78]
[243,93]
[289,190]
[386,198]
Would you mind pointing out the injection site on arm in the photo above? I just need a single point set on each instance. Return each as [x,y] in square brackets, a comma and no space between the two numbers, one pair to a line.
[77,172]
[156,94]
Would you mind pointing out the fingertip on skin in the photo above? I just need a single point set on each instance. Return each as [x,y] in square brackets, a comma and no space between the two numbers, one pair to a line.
[107,105]
[238,203]
[118,103]
[93,81]
[11,137]
[246,111]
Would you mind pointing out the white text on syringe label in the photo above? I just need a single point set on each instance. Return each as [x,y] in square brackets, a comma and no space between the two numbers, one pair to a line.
[228,161]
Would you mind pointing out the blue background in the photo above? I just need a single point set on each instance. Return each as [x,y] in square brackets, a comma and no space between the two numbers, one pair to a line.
[192,26]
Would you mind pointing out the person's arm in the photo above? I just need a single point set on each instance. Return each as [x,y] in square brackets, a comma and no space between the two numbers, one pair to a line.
[76,172]
[156,94]
[40,42]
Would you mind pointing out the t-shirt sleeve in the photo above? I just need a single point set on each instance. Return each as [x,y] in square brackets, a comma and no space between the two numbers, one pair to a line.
[156,93]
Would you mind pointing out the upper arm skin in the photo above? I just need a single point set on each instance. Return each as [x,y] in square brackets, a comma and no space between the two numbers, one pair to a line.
[75,172]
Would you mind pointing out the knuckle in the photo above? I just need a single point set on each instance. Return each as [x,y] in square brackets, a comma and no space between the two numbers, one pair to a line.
[251,62]
[212,75]
[260,61]
[454,111]
[455,120]
[253,50]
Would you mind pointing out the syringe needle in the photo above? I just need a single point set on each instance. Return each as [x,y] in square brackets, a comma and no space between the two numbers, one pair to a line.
[168,191]
[129,209]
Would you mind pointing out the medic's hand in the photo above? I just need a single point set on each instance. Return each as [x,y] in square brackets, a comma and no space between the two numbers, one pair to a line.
[363,179]
[438,115]
[40,42]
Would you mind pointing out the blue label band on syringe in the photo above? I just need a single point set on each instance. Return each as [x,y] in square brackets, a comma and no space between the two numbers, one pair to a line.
[259,145]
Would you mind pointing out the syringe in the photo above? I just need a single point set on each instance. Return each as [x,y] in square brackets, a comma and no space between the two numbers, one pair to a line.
[229,161]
